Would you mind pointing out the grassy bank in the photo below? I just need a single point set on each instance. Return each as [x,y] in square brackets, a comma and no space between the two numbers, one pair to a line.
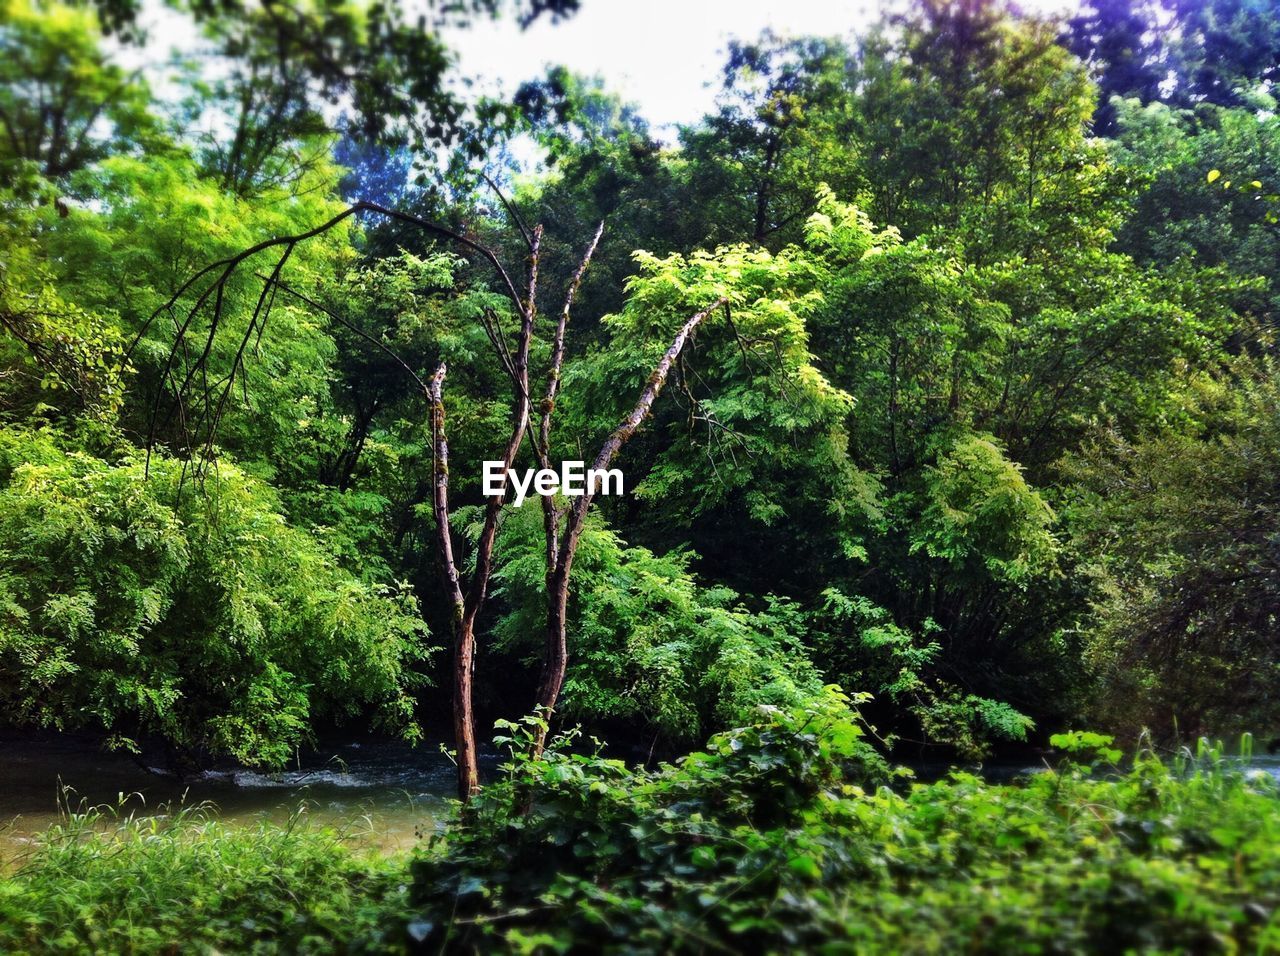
[790,835]
[103,883]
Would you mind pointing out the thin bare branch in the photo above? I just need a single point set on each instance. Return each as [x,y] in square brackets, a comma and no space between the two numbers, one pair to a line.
[628,427]
[558,345]
[519,427]
[372,340]
[551,514]
[511,210]
[556,656]
[223,269]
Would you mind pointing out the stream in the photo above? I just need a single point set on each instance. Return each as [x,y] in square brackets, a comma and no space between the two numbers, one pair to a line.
[387,792]
[384,790]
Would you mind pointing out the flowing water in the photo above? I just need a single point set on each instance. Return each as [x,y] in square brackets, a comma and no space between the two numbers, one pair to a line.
[391,793]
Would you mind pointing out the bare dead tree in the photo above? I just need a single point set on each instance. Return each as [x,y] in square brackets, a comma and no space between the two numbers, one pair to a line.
[563,525]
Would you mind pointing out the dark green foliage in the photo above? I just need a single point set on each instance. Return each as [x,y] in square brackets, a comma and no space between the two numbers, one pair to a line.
[787,834]
[1182,52]
[637,860]
[780,838]
[1188,601]
[653,650]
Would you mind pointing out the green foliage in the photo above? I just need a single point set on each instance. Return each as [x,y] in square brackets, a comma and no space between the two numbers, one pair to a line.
[1179,528]
[57,357]
[752,428]
[177,223]
[1186,213]
[973,431]
[1085,742]
[783,123]
[973,126]
[781,837]
[629,858]
[106,881]
[979,507]
[136,604]
[63,104]
[652,649]
[854,636]
[1181,52]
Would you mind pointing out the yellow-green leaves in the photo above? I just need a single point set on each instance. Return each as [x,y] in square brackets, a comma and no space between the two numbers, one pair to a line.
[199,615]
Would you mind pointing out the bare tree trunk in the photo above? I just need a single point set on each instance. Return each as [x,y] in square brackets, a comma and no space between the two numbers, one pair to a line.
[467,610]
[463,634]
[557,656]
[551,514]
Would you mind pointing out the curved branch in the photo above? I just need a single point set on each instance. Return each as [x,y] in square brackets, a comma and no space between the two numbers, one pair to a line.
[556,657]
[519,427]
[377,343]
[226,267]
[542,447]
[511,210]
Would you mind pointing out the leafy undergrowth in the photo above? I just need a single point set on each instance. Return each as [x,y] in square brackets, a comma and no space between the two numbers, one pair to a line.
[782,838]
[787,836]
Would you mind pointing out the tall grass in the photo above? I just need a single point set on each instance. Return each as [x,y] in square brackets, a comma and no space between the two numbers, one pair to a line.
[110,880]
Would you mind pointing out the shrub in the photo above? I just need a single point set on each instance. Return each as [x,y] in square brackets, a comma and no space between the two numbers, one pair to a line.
[134,604]
[651,646]
[782,837]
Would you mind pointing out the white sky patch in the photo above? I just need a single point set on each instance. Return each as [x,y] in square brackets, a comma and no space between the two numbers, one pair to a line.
[663,55]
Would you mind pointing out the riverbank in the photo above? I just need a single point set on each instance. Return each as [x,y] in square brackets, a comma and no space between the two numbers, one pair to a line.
[392,790]
[786,836]
[392,793]
[105,883]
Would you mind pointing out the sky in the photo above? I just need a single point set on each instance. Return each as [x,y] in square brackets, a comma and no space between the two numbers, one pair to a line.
[664,55]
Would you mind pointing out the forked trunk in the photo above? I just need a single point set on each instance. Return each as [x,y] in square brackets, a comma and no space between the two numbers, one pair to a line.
[556,659]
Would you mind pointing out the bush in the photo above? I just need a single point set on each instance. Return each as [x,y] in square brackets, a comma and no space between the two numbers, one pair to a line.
[651,647]
[135,603]
[783,838]
[611,857]
[788,835]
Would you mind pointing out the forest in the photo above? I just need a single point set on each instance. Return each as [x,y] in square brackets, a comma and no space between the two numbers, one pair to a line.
[937,367]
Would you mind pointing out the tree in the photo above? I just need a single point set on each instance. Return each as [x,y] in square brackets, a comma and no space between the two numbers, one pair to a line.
[974,124]
[1178,52]
[63,105]
[1186,595]
[134,607]
[1210,198]
[1122,41]
[784,124]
